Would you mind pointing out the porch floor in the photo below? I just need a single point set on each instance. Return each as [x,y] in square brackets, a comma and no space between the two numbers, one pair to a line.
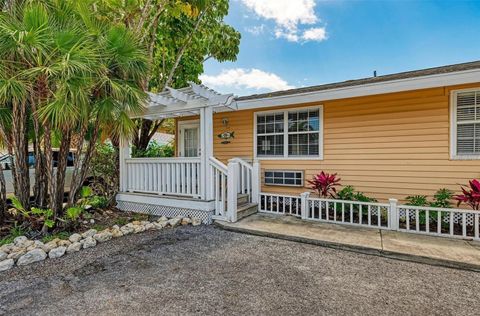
[412,247]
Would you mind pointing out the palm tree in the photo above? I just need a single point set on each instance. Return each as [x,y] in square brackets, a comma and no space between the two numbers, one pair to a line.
[66,71]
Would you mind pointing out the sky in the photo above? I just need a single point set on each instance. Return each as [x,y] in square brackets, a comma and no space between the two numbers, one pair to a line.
[296,43]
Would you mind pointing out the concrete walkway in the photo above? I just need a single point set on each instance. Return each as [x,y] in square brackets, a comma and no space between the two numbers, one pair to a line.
[412,247]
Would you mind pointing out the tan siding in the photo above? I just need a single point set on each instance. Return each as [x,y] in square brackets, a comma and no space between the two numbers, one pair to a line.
[390,145]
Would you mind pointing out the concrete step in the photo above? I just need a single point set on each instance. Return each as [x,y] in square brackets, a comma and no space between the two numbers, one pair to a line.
[246,210]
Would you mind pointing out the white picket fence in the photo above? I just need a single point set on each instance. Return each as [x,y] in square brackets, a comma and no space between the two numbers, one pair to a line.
[446,222]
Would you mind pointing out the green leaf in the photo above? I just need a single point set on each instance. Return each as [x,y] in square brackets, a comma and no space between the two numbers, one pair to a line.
[49,223]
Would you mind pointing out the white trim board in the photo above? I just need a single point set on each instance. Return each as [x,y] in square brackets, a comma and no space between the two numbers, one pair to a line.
[425,82]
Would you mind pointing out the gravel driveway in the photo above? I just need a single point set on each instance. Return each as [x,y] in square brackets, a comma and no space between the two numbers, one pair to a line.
[205,270]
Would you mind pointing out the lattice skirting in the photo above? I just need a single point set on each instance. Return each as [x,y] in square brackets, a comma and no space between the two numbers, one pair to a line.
[168,211]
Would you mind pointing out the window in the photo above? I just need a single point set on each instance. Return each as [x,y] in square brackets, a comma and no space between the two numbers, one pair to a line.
[285,177]
[466,123]
[291,133]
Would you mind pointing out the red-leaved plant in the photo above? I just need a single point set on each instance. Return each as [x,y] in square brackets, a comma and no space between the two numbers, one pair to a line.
[325,183]
[471,195]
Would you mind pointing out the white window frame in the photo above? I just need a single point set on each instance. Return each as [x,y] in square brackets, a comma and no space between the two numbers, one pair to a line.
[453,127]
[302,172]
[285,134]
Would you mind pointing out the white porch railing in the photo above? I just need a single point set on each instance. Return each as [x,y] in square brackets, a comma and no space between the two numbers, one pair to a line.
[219,187]
[175,176]
[248,178]
[445,222]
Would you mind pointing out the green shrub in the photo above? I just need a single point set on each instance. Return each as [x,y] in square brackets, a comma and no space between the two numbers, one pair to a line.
[417,200]
[348,193]
[154,150]
[442,198]
[105,173]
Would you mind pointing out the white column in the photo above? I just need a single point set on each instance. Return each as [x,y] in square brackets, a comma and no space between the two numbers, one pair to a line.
[256,182]
[304,200]
[208,150]
[124,153]
[232,188]
[393,214]
[203,156]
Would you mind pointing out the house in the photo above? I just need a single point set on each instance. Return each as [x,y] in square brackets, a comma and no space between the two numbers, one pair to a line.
[389,136]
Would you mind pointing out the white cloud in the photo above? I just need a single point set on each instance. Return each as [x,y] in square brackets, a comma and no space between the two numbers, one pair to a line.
[241,78]
[290,17]
[256,30]
[315,34]
[286,13]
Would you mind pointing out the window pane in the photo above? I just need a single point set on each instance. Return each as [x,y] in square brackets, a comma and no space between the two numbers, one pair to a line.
[271,145]
[289,178]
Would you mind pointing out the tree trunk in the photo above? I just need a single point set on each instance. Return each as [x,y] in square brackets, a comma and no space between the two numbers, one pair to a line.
[61,171]
[49,166]
[3,196]
[39,189]
[20,153]
[77,166]
[78,180]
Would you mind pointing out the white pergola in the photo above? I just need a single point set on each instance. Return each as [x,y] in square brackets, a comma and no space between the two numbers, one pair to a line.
[196,99]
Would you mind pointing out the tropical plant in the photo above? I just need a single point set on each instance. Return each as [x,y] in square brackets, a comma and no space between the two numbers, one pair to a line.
[64,72]
[154,150]
[470,195]
[104,162]
[180,36]
[442,198]
[348,193]
[324,184]
[417,200]
[45,218]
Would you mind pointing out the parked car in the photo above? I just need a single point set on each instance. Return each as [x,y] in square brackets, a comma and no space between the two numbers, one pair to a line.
[6,161]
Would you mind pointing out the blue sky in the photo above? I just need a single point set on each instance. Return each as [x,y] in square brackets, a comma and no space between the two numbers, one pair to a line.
[295,43]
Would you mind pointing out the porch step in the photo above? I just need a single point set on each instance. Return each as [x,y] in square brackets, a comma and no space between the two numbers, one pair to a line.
[246,210]
[242,199]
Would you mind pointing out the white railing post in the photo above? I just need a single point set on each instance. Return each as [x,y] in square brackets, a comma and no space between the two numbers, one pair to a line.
[124,154]
[232,188]
[304,201]
[256,182]
[393,214]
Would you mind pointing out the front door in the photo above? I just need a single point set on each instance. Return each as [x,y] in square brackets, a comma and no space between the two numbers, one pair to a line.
[189,139]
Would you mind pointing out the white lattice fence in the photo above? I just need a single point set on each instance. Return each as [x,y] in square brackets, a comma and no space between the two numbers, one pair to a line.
[280,204]
[348,212]
[439,221]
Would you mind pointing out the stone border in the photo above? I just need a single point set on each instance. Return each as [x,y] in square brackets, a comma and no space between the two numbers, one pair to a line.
[24,251]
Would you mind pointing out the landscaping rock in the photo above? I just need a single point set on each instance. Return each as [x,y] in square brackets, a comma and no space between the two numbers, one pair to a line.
[149,226]
[89,233]
[89,242]
[196,221]
[116,233]
[103,236]
[186,221]
[92,221]
[115,227]
[6,264]
[64,243]
[19,240]
[127,229]
[25,244]
[50,245]
[3,255]
[15,255]
[174,222]
[144,223]
[74,247]
[75,237]
[57,252]
[160,225]
[7,247]
[136,223]
[162,219]
[31,257]
[138,228]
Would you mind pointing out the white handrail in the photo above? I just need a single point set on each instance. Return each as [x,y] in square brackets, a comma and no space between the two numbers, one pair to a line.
[219,172]
[218,164]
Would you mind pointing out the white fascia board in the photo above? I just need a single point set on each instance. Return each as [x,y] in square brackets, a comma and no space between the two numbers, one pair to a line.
[425,82]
